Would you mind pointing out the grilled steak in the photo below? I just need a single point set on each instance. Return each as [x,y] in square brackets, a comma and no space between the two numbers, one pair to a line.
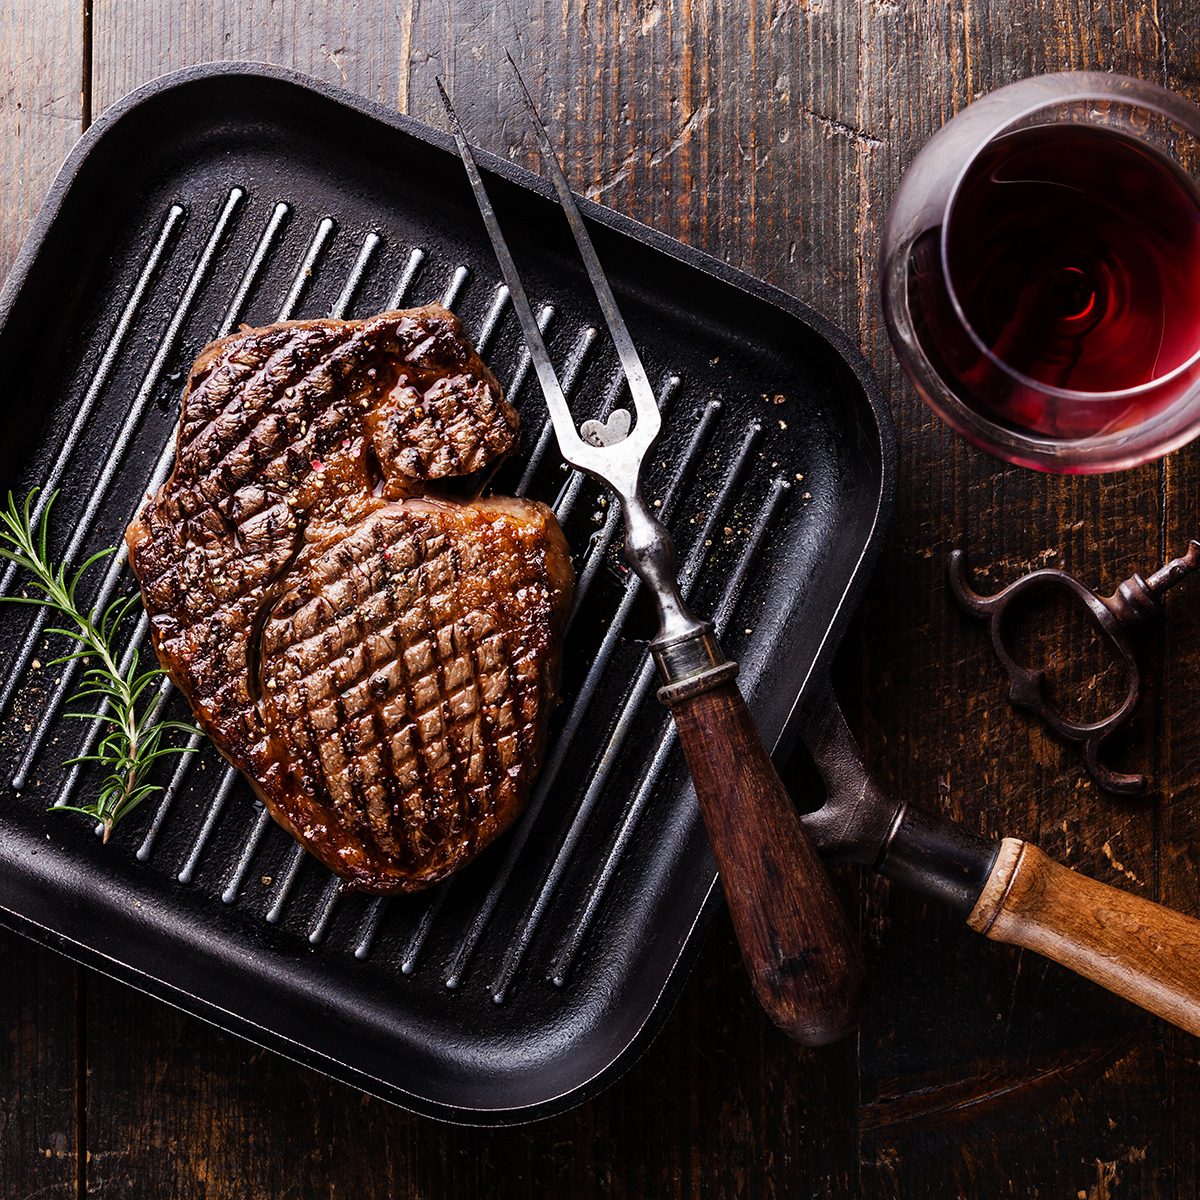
[378,657]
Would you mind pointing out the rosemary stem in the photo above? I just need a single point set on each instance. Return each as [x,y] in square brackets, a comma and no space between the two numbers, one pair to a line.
[133,740]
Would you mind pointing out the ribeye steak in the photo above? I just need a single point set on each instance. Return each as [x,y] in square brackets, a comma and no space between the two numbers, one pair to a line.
[378,654]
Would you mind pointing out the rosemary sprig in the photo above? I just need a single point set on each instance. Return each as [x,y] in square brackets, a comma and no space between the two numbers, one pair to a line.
[132,738]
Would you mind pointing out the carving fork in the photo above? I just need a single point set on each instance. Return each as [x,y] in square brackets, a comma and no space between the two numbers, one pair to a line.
[802,955]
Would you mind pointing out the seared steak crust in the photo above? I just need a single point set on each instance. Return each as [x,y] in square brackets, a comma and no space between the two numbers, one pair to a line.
[377,657]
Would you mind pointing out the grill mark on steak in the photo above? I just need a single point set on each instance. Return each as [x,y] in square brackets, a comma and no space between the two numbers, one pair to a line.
[443,707]
[439,659]
[263,615]
[377,690]
[379,658]
[490,763]
[411,726]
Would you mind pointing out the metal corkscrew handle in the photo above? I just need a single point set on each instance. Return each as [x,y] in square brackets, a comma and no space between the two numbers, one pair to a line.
[1115,616]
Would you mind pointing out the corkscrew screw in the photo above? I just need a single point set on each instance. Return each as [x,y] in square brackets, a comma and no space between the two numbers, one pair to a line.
[1115,616]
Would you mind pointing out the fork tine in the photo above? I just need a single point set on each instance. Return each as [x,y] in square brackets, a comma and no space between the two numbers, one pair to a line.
[631,361]
[570,443]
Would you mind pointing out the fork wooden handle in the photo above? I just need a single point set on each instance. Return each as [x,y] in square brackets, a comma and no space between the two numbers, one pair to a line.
[801,953]
[1140,950]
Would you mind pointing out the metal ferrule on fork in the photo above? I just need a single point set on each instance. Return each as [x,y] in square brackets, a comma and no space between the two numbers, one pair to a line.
[691,665]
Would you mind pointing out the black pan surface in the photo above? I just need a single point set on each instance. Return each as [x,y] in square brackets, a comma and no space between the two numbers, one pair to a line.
[242,193]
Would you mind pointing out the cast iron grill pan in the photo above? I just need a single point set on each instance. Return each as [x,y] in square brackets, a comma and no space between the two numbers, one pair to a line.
[226,195]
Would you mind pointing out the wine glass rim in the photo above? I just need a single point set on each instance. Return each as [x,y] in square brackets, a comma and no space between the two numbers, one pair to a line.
[1099,85]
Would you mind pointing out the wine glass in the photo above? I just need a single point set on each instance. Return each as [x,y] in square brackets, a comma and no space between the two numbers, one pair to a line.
[1041,272]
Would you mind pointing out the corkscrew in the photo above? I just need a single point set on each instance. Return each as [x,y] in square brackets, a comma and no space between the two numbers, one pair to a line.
[1115,616]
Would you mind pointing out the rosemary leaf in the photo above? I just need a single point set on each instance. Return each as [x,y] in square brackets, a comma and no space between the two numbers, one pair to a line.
[133,737]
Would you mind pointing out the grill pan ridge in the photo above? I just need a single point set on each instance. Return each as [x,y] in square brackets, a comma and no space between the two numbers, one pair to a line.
[524,983]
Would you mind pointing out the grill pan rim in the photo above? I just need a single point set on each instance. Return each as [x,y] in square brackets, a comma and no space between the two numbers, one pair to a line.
[845,351]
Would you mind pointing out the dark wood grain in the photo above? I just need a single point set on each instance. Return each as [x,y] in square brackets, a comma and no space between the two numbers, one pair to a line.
[39,1137]
[800,952]
[41,114]
[770,133]
[40,1140]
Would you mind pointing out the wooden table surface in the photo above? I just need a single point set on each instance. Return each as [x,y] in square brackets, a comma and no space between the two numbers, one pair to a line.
[770,133]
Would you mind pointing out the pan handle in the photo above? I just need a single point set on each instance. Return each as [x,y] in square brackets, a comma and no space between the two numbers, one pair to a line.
[1011,892]
[801,954]
[1133,947]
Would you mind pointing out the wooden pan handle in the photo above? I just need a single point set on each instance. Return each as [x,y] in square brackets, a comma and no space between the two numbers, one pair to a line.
[802,955]
[1140,950]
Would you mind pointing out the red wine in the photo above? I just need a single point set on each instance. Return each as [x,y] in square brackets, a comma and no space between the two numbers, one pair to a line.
[1074,255]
